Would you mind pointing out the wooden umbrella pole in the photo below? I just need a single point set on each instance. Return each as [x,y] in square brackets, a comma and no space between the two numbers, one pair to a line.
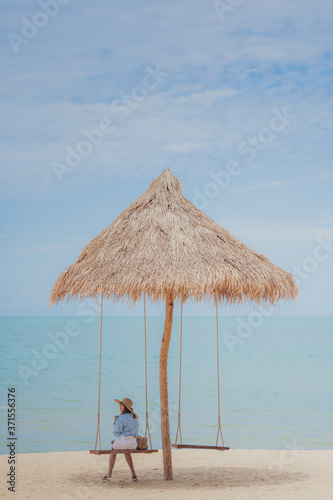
[165,428]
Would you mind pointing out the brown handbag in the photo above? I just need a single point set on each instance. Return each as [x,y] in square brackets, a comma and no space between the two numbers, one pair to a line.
[141,443]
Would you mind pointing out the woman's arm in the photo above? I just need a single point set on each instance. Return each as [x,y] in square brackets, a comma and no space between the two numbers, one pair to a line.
[118,427]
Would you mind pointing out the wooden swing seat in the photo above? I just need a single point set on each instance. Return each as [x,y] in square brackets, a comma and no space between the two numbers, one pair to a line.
[200,447]
[114,452]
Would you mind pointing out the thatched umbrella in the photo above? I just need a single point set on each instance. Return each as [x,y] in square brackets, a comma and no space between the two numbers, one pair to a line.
[164,247]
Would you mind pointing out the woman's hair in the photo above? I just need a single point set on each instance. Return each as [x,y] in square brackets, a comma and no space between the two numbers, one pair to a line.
[126,410]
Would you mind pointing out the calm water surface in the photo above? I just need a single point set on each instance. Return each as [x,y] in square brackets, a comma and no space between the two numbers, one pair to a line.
[276,380]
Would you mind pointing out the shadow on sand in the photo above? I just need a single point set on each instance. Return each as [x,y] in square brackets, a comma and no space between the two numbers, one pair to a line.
[195,478]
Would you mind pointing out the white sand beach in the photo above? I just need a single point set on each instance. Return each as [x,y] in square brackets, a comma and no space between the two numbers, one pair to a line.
[234,474]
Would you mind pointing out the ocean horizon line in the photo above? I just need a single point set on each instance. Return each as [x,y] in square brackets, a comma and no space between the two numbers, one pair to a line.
[175,316]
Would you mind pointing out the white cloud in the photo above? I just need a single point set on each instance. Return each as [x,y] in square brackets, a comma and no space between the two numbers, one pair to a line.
[264,185]
[224,79]
[46,248]
[186,147]
[279,232]
[209,96]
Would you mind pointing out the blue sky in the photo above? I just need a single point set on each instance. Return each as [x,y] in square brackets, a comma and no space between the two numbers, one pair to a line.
[193,86]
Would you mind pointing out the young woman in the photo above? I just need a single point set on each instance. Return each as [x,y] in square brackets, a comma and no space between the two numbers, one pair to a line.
[126,427]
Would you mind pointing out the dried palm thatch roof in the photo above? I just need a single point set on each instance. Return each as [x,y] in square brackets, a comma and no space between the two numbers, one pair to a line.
[162,243]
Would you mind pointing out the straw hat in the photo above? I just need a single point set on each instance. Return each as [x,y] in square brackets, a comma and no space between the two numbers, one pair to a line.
[126,402]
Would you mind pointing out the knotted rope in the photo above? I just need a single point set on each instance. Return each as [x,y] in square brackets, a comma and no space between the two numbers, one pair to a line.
[179,429]
[219,430]
[147,431]
[98,433]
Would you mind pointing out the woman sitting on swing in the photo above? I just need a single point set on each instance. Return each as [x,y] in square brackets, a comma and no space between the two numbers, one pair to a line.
[126,427]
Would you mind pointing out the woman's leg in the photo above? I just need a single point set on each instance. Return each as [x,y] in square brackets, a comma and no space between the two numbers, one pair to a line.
[112,461]
[130,463]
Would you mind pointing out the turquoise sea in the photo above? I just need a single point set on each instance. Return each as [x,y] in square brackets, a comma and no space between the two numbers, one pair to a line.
[276,380]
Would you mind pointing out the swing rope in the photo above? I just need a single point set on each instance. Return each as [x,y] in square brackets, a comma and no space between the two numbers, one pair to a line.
[98,432]
[147,431]
[219,430]
[179,429]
